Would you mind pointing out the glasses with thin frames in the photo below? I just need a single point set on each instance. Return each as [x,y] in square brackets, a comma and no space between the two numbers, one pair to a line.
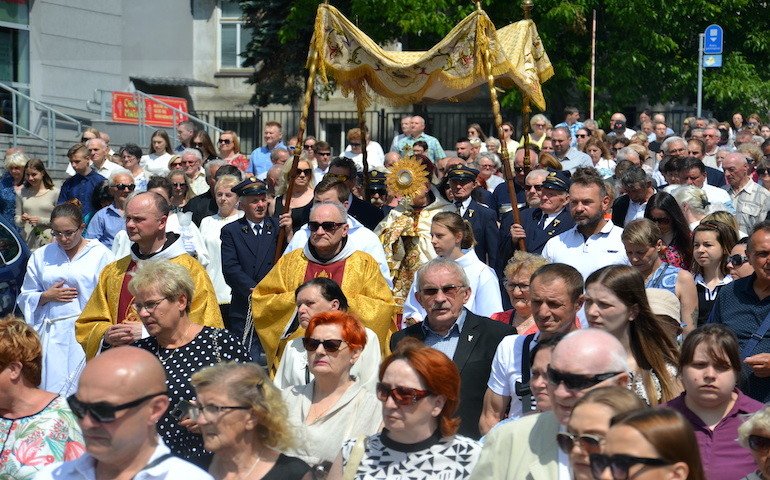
[403,396]
[104,412]
[620,464]
[330,346]
[149,306]
[64,234]
[212,411]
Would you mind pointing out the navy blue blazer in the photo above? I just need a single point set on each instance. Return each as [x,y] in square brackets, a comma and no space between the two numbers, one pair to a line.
[500,197]
[474,354]
[715,177]
[536,237]
[246,259]
[484,223]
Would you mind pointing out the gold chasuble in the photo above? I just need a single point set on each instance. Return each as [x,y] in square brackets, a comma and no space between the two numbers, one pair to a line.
[101,311]
[273,307]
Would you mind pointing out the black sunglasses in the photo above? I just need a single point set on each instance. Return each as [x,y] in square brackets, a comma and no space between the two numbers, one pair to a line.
[574,381]
[759,443]
[103,412]
[312,344]
[306,171]
[123,186]
[403,396]
[661,220]
[330,227]
[226,141]
[588,443]
[762,170]
[737,260]
[619,464]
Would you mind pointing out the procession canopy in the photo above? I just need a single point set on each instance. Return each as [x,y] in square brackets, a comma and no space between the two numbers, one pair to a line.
[447,71]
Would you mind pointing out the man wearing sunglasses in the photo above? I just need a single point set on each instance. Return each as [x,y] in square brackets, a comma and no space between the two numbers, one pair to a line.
[109,220]
[526,448]
[121,397]
[470,340]
[192,161]
[329,253]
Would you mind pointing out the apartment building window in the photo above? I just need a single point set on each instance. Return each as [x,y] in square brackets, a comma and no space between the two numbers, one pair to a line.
[233,35]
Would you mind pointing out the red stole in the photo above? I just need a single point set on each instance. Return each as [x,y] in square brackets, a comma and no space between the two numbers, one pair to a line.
[126,311]
[334,270]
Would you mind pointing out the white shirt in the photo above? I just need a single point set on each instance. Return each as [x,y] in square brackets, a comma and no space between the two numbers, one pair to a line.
[587,255]
[635,211]
[716,196]
[375,157]
[550,217]
[318,174]
[573,159]
[463,207]
[84,468]
[180,223]
[199,184]
[155,164]
[506,370]
[211,228]
[105,171]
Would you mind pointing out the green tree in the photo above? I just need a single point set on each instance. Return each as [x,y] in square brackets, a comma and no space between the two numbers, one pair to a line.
[646,49]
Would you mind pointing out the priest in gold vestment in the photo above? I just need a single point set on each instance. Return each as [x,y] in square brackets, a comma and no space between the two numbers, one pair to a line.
[327,254]
[109,317]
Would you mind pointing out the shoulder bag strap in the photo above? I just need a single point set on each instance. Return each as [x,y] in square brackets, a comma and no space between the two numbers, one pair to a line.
[756,337]
[354,460]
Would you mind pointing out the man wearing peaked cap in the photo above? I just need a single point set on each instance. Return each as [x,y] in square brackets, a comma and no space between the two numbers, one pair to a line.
[462,180]
[378,192]
[248,251]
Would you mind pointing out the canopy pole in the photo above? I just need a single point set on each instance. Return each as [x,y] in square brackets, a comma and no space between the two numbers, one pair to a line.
[364,155]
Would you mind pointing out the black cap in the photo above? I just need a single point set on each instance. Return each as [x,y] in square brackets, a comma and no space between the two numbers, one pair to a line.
[461,172]
[250,186]
[557,181]
[377,180]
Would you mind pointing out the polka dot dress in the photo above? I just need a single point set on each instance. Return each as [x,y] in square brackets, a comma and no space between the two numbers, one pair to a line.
[209,347]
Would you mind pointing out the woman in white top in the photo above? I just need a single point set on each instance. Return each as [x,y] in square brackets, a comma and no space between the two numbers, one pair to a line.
[130,155]
[375,157]
[156,163]
[313,297]
[59,281]
[211,227]
[452,238]
[600,156]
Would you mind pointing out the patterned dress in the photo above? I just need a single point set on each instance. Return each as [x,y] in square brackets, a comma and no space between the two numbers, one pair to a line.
[30,443]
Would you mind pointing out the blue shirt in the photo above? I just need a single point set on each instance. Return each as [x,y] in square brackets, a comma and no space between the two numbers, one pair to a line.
[572,131]
[446,344]
[105,224]
[82,188]
[260,161]
[435,151]
[7,198]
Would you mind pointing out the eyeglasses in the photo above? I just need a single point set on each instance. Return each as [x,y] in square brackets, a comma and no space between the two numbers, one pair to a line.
[737,260]
[619,464]
[65,234]
[541,125]
[759,443]
[125,186]
[352,144]
[198,144]
[149,306]
[403,396]
[323,154]
[103,412]
[763,171]
[178,184]
[331,346]
[189,162]
[449,290]
[513,286]
[588,443]
[661,220]
[211,411]
[226,141]
[487,167]
[305,171]
[330,227]
[175,165]
[536,187]
[307,146]
[573,381]
[581,135]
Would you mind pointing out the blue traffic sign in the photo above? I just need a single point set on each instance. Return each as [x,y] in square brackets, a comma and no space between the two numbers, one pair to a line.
[712,61]
[713,39]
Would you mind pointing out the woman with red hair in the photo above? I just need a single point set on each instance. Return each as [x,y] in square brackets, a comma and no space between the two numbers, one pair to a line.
[420,390]
[334,406]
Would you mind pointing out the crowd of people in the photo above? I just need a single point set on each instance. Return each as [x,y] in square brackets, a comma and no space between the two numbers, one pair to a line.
[198,312]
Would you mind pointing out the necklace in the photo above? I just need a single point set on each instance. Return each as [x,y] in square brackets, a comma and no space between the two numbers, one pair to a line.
[246,475]
[173,351]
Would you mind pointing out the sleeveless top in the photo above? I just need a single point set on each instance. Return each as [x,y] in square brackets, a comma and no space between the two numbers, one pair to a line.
[664,277]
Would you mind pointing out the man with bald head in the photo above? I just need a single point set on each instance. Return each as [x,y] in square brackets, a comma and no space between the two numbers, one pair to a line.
[120,399]
[525,449]
[417,132]
[751,201]
[109,318]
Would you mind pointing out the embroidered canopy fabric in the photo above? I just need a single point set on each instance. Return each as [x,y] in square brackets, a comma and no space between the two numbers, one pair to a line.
[450,69]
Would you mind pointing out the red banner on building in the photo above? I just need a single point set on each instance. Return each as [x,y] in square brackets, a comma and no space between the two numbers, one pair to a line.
[126,110]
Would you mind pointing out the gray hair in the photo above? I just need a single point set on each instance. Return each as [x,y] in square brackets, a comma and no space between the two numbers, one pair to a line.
[536,173]
[493,141]
[758,421]
[97,139]
[635,175]
[170,279]
[667,143]
[213,163]
[275,152]
[192,151]
[611,346]
[538,117]
[490,156]
[16,159]
[117,172]
[340,208]
[626,153]
[561,129]
[693,197]
[440,262]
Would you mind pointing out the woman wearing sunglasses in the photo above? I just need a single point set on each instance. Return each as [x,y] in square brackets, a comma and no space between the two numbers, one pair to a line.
[301,200]
[334,406]
[643,242]
[313,297]
[589,423]
[230,150]
[156,163]
[419,389]
[181,190]
[665,212]
[244,423]
[710,368]
[163,293]
[754,434]
[738,261]
[38,427]
[652,444]
[616,302]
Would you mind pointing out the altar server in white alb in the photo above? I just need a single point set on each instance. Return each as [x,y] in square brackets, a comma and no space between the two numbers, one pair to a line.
[59,281]
[452,238]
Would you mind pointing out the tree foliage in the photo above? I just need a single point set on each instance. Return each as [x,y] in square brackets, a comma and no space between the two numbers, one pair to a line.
[646,49]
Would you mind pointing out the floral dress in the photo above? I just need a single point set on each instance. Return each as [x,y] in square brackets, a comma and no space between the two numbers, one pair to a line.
[30,443]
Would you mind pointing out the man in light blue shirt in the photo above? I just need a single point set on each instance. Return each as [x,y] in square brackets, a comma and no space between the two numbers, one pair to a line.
[570,157]
[571,123]
[108,221]
[404,145]
[260,158]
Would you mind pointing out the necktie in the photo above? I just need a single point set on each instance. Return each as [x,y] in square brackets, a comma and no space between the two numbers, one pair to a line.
[258,229]
[459,208]
[542,221]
